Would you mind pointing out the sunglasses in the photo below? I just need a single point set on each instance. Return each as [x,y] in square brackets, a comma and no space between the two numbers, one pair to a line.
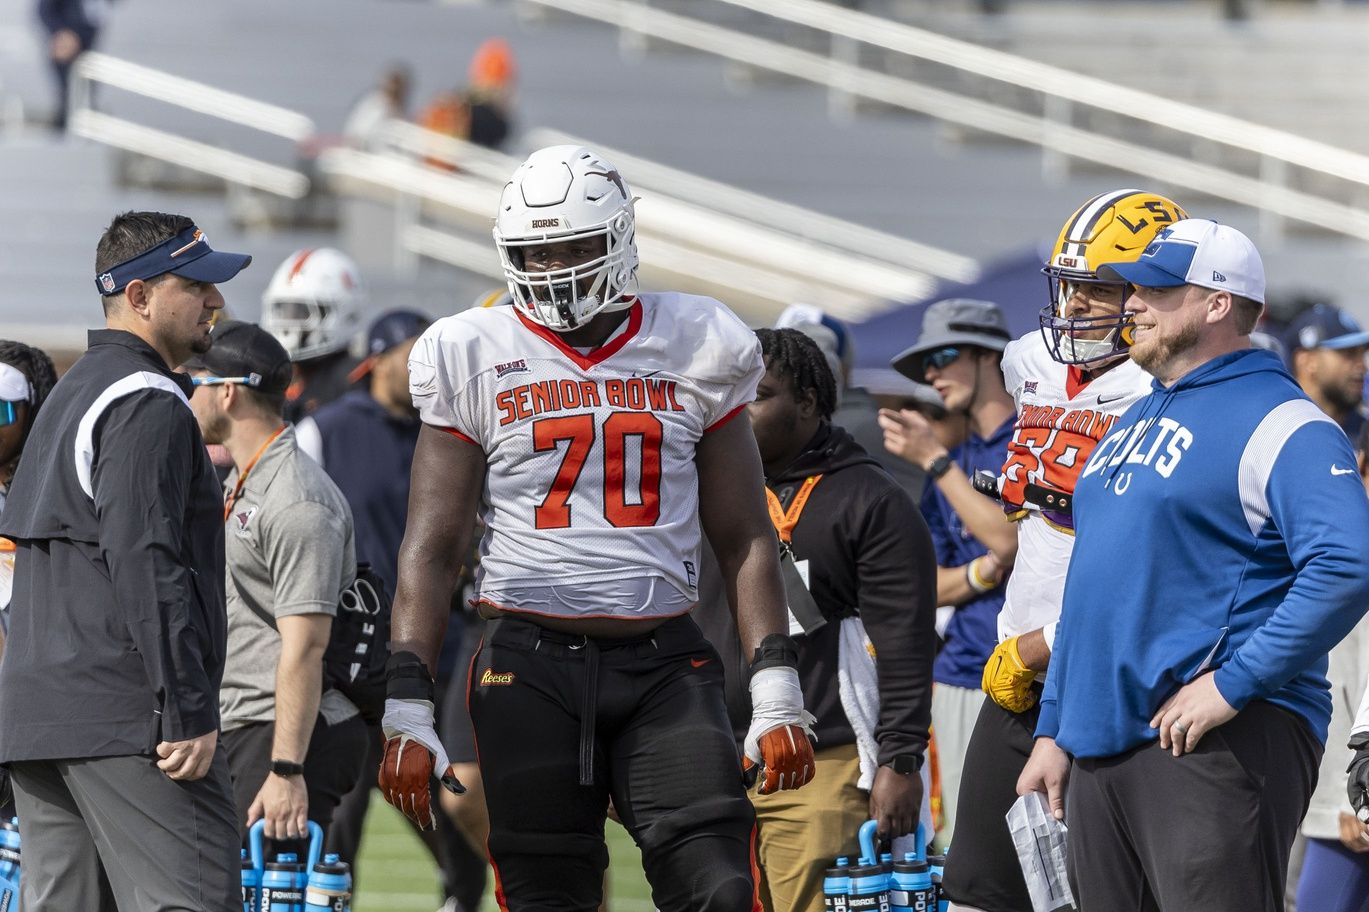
[939,358]
[251,380]
[9,412]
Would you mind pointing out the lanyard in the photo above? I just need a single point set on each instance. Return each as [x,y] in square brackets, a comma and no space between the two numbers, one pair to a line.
[785,521]
[242,476]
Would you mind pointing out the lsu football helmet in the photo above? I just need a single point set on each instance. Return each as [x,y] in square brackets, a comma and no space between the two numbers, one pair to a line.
[314,303]
[1112,227]
[566,193]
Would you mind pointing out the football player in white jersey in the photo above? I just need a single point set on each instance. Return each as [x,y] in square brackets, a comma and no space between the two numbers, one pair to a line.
[1070,381]
[595,430]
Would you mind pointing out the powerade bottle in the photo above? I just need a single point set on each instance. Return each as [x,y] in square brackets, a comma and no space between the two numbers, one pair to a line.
[9,865]
[330,886]
[282,884]
[251,881]
[938,865]
[869,888]
[910,889]
[886,861]
[836,884]
[9,849]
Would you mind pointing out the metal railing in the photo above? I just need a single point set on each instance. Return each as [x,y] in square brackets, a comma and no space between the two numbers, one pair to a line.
[869,243]
[741,244]
[1293,177]
[233,167]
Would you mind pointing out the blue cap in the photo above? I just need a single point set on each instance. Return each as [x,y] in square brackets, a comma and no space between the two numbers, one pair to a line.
[186,254]
[1325,326]
[393,328]
[1195,252]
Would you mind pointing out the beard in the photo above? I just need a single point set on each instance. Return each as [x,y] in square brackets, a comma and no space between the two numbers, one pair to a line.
[202,344]
[1344,397]
[1153,355]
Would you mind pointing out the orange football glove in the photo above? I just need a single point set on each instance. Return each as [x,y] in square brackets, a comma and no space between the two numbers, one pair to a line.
[778,751]
[413,755]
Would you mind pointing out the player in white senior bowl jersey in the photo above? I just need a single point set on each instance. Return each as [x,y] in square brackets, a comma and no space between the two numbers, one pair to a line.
[596,430]
[1070,382]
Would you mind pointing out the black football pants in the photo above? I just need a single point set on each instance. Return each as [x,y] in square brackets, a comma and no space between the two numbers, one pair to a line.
[563,724]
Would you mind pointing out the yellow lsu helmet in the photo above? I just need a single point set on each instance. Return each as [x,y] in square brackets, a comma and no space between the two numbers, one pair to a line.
[1113,227]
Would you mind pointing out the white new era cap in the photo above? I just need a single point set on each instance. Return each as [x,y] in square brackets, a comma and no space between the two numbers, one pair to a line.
[1196,252]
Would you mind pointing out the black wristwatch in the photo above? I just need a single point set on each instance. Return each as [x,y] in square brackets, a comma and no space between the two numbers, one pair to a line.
[940,466]
[286,768]
[906,764]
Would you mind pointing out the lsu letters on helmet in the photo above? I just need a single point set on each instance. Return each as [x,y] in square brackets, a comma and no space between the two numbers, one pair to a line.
[564,193]
[1112,227]
[314,303]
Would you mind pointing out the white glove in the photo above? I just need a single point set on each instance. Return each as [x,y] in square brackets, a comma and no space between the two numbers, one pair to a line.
[778,739]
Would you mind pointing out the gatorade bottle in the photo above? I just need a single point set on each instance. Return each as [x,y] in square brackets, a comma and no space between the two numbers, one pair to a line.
[938,864]
[869,889]
[282,884]
[330,886]
[910,889]
[836,884]
[251,883]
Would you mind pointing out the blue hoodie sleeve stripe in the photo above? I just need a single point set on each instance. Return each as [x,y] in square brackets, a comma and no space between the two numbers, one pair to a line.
[1262,451]
[1316,501]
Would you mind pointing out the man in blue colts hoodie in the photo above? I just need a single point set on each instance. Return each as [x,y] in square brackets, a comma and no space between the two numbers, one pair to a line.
[1222,549]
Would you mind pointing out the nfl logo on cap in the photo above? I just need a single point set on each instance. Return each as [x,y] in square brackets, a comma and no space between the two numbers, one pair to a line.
[107,282]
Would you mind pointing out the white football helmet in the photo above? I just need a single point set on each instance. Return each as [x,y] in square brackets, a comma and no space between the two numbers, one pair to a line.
[314,303]
[565,193]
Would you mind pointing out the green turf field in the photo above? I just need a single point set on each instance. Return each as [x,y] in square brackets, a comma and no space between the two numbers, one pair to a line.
[398,876]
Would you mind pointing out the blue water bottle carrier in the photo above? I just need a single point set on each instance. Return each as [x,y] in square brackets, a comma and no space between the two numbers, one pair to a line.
[279,884]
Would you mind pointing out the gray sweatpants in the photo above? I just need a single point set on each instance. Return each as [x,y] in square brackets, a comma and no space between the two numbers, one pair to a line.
[114,833]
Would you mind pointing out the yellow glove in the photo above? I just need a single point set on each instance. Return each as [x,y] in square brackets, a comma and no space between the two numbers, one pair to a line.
[1006,680]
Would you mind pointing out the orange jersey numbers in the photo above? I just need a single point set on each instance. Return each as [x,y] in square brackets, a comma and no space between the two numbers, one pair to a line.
[634,436]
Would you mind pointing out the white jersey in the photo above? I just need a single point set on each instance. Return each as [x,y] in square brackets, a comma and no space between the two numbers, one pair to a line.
[1060,418]
[591,475]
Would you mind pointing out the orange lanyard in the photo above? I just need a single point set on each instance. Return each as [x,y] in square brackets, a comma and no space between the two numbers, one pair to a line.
[785,521]
[242,476]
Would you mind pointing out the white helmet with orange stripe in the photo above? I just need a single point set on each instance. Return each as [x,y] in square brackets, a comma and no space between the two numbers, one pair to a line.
[314,303]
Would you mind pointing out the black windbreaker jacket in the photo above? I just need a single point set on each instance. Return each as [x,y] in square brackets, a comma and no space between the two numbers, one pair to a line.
[117,628]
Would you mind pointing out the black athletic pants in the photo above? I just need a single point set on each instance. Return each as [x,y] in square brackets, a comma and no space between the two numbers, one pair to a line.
[563,723]
[1209,831]
[982,869]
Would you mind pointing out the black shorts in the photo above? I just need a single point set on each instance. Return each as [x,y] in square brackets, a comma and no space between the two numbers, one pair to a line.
[564,724]
[331,766]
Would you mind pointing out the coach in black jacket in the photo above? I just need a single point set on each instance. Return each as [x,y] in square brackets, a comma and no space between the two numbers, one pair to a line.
[109,709]
[866,552]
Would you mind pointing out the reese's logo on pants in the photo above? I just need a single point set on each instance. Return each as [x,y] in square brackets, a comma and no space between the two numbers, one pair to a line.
[491,678]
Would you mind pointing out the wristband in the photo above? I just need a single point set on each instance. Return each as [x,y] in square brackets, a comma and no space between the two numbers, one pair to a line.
[939,466]
[776,651]
[407,678]
[977,583]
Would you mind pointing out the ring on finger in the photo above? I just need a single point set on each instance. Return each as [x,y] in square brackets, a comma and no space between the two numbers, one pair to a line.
[1180,727]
